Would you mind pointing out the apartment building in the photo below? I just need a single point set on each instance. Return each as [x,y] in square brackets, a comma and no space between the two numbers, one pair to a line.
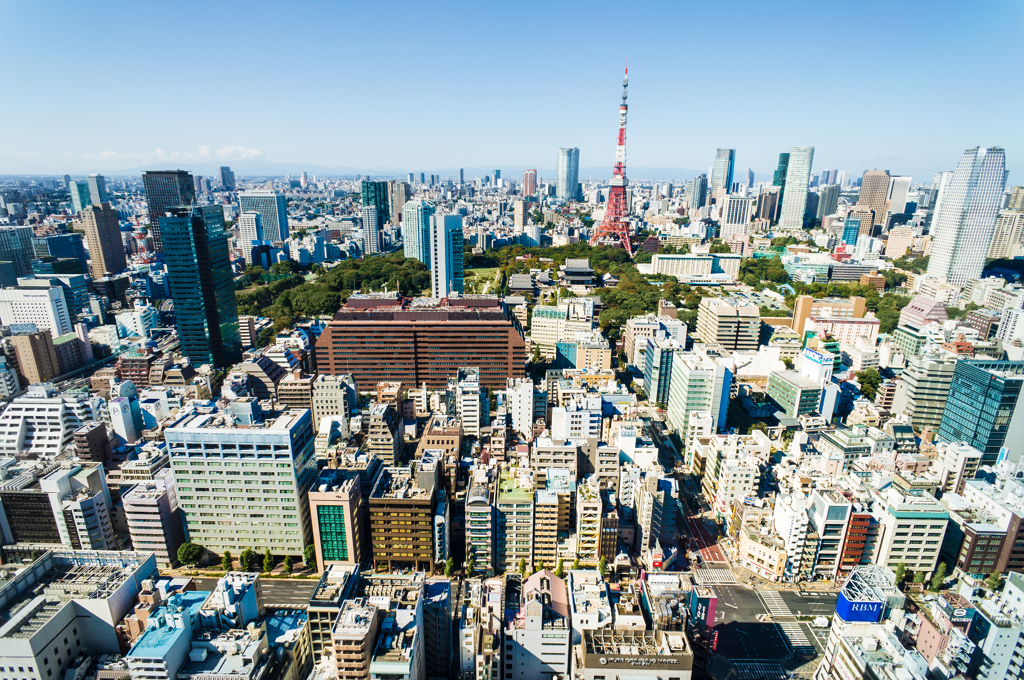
[402,508]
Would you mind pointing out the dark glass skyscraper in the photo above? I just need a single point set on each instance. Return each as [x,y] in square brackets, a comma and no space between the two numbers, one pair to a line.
[166,189]
[376,194]
[199,273]
[981,408]
[779,178]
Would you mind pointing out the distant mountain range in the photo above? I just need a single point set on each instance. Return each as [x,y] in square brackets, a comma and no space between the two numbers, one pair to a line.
[260,168]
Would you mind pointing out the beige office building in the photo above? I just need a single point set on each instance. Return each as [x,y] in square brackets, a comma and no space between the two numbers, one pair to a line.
[735,326]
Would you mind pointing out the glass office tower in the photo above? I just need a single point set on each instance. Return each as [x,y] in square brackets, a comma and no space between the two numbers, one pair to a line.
[199,273]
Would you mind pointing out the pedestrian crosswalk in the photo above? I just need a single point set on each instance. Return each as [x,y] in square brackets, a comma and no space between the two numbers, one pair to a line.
[774,603]
[760,671]
[713,575]
[793,632]
[798,641]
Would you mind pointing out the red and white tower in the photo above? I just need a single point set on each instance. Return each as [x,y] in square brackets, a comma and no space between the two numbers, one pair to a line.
[616,214]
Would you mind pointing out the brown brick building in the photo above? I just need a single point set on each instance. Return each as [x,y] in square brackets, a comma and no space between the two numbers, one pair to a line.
[383,337]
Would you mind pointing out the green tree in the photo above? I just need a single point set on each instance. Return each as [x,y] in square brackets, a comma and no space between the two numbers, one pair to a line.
[919,577]
[449,567]
[245,559]
[268,561]
[309,556]
[190,553]
[939,577]
[576,564]
[522,566]
[901,572]
[288,564]
[560,569]
[36,555]
[470,566]
[540,565]
[602,566]
[225,561]
[869,380]
[993,580]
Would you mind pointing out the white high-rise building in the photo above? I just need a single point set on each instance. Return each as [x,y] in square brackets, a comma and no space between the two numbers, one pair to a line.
[446,261]
[416,216]
[81,506]
[896,197]
[465,397]
[45,307]
[519,400]
[736,216]
[965,219]
[699,383]
[568,178]
[273,210]
[798,178]
[242,444]
[371,235]
[250,228]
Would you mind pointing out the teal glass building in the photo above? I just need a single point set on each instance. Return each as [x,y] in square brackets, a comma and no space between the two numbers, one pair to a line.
[982,407]
[199,273]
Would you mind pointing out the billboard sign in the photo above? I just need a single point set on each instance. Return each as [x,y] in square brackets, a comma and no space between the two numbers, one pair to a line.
[703,604]
[869,612]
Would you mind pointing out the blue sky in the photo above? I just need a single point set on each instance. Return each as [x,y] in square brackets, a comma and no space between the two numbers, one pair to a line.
[903,86]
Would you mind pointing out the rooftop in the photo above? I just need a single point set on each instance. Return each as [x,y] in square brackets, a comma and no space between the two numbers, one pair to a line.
[355,618]
[333,585]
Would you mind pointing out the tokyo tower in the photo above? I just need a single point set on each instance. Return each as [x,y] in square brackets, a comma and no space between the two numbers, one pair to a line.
[616,214]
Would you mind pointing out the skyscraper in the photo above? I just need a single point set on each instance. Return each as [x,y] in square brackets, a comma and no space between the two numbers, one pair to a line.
[828,201]
[462,177]
[696,191]
[568,177]
[250,228]
[965,216]
[446,263]
[273,210]
[530,183]
[371,233]
[376,194]
[227,178]
[798,176]
[16,247]
[750,178]
[779,178]
[80,197]
[398,194]
[416,229]
[166,189]
[721,175]
[98,190]
[896,197]
[199,273]
[874,186]
[103,234]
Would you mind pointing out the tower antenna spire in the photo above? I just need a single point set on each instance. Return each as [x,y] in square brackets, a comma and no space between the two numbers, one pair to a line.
[615,224]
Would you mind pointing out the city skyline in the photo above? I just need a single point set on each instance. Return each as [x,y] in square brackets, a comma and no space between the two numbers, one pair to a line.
[667,130]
